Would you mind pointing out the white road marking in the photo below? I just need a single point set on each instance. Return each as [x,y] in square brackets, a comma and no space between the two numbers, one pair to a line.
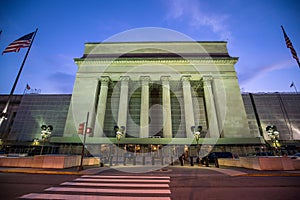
[122,180]
[135,177]
[87,197]
[114,191]
[142,186]
[116,184]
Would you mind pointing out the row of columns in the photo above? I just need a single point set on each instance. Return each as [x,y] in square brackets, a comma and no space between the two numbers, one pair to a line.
[166,101]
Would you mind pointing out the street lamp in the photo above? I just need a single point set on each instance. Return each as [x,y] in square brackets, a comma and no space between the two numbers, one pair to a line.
[1,143]
[119,134]
[196,132]
[45,133]
[35,141]
[273,133]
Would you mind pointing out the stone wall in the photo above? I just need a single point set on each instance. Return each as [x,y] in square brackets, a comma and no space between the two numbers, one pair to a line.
[44,161]
[262,163]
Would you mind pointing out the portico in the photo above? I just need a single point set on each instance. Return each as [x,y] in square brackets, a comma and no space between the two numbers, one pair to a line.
[158,91]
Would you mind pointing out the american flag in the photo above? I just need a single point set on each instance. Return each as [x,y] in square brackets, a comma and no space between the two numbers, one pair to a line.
[290,46]
[22,42]
[28,87]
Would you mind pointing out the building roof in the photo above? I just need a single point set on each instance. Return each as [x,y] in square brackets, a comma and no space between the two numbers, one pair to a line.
[175,49]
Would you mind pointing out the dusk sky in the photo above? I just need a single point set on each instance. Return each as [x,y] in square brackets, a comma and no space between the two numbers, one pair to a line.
[251,28]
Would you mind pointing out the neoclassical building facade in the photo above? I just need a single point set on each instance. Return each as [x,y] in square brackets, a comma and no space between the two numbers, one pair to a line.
[158,91]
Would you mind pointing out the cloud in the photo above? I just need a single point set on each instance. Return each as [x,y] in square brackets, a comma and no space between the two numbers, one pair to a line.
[191,12]
[252,74]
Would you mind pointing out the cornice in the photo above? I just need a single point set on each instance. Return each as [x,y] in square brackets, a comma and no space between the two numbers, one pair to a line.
[230,61]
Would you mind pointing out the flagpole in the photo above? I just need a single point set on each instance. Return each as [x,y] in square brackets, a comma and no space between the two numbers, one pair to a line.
[290,46]
[83,144]
[295,88]
[4,112]
[24,91]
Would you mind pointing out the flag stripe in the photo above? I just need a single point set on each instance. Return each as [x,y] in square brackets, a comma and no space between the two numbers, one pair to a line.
[290,45]
[22,42]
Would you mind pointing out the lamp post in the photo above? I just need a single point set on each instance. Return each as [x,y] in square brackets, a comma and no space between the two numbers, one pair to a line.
[45,133]
[34,144]
[1,143]
[196,132]
[85,131]
[273,133]
[35,141]
[119,134]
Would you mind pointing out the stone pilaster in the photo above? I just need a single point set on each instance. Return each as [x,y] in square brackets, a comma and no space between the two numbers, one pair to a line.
[167,118]
[213,127]
[188,106]
[100,115]
[144,115]
[123,103]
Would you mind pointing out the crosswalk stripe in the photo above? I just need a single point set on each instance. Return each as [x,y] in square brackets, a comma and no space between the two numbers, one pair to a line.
[136,177]
[115,191]
[116,184]
[93,187]
[87,197]
[122,180]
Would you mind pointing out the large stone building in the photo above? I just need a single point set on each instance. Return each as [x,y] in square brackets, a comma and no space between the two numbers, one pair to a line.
[158,91]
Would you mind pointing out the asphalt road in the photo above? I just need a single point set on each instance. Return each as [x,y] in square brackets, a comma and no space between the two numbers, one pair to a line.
[182,183]
[14,185]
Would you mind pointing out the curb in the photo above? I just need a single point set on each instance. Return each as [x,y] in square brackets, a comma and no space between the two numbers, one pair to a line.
[87,171]
[40,172]
[271,175]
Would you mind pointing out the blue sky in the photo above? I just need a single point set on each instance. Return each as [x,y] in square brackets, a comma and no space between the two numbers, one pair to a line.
[251,28]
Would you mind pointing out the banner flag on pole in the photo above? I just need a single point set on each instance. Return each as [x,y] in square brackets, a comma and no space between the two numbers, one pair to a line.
[16,45]
[23,42]
[290,46]
[81,128]
[28,87]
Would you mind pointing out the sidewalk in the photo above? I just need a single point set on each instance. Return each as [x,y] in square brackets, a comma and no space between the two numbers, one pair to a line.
[236,171]
[90,170]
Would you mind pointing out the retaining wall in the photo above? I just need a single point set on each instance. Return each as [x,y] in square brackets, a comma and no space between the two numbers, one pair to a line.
[262,163]
[47,161]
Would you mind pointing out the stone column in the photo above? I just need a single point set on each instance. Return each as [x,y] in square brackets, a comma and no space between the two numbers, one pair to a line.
[123,103]
[144,116]
[213,127]
[167,119]
[100,115]
[93,111]
[188,106]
